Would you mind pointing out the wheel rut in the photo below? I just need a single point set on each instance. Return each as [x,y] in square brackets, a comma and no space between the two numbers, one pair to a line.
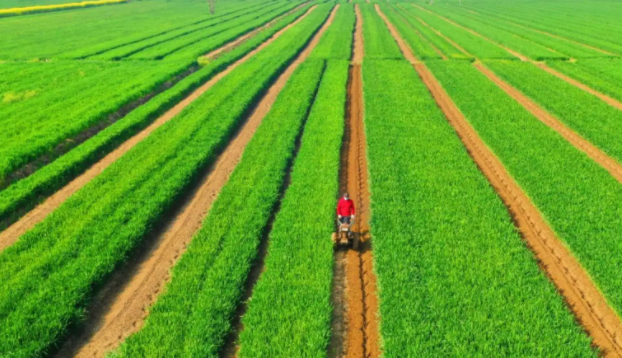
[122,305]
[355,316]
[572,281]
[39,213]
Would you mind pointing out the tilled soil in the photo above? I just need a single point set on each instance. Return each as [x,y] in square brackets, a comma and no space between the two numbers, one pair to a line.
[122,307]
[571,280]
[355,317]
[13,232]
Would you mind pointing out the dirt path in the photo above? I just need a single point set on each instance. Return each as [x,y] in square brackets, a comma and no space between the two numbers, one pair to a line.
[242,39]
[355,317]
[600,157]
[571,280]
[108,325]
[13,232]
[610,101]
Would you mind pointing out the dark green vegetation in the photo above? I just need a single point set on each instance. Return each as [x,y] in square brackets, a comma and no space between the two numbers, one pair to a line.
[290,311]
[577,197]
[81,243]
[193,317]
[455,278]
[27,192]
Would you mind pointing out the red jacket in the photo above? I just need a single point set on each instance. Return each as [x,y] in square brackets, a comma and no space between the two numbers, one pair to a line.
[345,207]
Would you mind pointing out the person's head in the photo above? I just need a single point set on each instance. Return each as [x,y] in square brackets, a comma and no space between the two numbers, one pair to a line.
[346,196]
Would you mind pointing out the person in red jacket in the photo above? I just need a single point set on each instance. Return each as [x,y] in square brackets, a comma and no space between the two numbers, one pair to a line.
[345,209]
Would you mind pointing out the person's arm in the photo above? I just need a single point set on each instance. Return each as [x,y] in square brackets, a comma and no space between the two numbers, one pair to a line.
[353,210]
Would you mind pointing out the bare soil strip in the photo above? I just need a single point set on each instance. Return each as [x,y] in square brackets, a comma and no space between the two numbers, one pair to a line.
[610,101]
[355,317]
[242,39]
[610,164]
[13,232]
[420,35]
[107,326]
[571,280]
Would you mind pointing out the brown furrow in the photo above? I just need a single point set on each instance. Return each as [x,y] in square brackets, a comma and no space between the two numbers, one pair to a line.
[36,215]
[127,306]
[607,99]
[360,335]
[600,157]
[583,297]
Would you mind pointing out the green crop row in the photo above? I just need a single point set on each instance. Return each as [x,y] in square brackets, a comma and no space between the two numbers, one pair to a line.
[525,40]
[337,41]
[454,277]
[473,44]
[35,127]
[194,316]
[376,37]
[586,114]
[213,35]
[420,46]
[76,247]
[604,75]
[27,192]
[201,29]
[70,34]
[141,39]
[601,34]
[577,197]
[449,50]
[290,311]
[502,35]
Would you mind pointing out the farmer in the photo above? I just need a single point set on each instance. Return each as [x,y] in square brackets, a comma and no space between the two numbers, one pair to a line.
[345,209]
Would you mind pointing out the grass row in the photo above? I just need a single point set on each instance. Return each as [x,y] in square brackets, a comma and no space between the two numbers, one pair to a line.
[413,37]
[449,50]
[74,34]
[337,41]
[76,247]
[454,277]
[27,192]
[473,44]
[577,197]
[35,127]
[376,37]
[290,311]
[604,75]
[501,35]
[586,114]
[194,315]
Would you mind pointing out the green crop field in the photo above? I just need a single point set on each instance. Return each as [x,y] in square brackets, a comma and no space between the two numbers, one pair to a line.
[170,172]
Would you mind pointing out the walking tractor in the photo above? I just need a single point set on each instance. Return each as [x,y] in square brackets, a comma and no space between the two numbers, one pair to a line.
[345,222]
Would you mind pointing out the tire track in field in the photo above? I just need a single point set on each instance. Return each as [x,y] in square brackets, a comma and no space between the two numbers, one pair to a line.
[13,232]
[572,281]
[354,322]
[123,306]
[542,65]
